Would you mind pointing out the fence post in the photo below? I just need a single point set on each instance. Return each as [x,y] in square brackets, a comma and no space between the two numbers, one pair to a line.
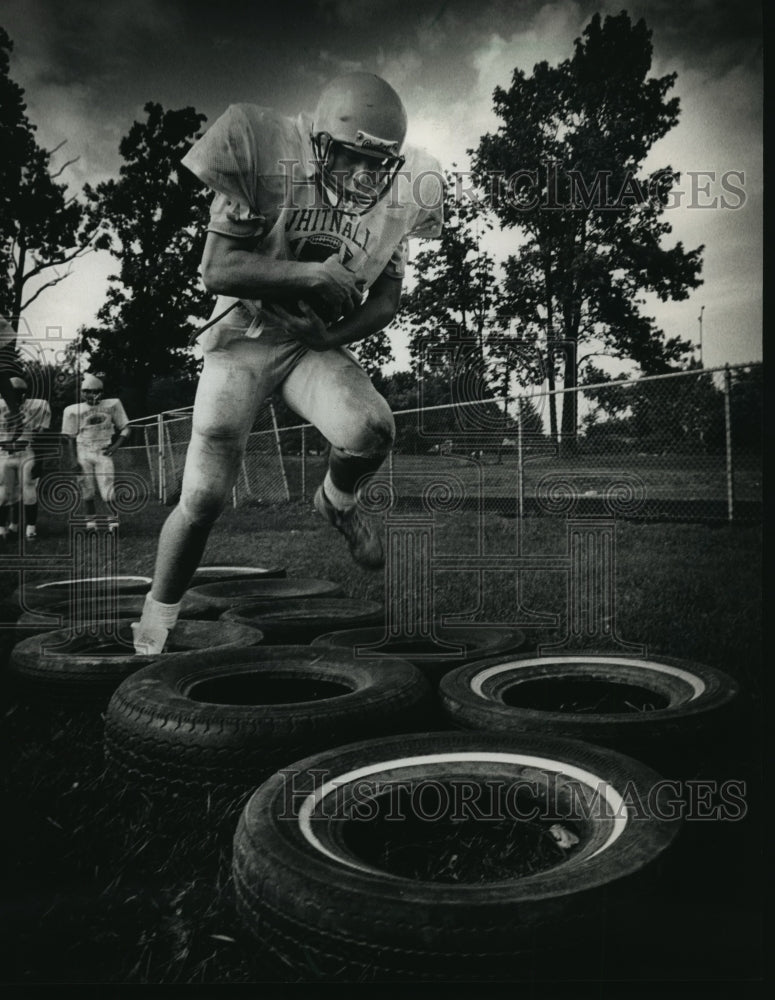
[520,470]
[279,450]
[160,446]
[303,462]
[728,436]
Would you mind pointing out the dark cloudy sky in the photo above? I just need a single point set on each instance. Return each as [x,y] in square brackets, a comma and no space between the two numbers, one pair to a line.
[89,66]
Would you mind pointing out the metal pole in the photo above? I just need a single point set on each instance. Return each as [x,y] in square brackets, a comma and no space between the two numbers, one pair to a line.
[520,471]
[160,447]
[303,463]
[728,436]
[702,310]
[279,450]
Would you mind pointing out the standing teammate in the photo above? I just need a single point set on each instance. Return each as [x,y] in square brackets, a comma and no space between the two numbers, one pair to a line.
[89,428]
[17,459]
[307,241]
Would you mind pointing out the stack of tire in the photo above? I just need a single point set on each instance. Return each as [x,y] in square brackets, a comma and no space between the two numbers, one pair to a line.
[313,870]
[319,727]
[215,725]
[73,647]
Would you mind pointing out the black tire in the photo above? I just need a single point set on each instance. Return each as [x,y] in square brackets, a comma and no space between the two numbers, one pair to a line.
[267,706]
[221,572]
[300,621]
[308,891]
[56,665]
[459,644]
[129,606]
[220,597]
[676,698]
[39,596]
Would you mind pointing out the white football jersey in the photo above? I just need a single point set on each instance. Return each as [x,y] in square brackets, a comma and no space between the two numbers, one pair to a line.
[35,416]
[93,426]
[261,166]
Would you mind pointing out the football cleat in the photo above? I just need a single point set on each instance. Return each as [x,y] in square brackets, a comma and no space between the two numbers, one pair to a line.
[362,539]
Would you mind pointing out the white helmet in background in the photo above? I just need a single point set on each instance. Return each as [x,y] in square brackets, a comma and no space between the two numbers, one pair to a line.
[18,383]
[92,389]
[361,113]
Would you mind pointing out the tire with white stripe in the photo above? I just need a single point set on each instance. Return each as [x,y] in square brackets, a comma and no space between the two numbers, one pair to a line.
[39,596]
[219,597]
[669,698]
[308,890]
[223,572]
[58,616]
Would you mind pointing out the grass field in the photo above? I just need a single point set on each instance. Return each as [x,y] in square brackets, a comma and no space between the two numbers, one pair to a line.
[101,888]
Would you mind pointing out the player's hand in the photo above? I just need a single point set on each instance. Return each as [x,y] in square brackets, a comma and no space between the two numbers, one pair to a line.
[110,450]
[338,288]
[309,329]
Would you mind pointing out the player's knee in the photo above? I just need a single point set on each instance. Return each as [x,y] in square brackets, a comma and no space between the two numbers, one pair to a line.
[202,505]
[368,429]
[374,436]
[222,437]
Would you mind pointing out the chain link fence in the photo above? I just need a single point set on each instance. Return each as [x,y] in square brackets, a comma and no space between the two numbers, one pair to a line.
[165,437]
[684,446]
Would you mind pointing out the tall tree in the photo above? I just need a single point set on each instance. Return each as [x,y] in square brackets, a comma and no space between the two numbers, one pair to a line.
[563,168]
[452,300]
[42,227]
[153,217]
[459,325]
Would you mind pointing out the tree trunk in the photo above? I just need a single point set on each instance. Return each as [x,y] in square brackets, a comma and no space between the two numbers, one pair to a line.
[550,353]
[18,284]
[570,401]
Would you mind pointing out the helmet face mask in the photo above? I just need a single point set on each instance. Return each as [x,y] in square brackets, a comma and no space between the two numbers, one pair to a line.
[92,390]
[357,133]
[355,178]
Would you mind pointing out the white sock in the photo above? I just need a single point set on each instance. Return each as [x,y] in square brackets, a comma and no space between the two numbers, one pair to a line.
[340,499]
[157,613]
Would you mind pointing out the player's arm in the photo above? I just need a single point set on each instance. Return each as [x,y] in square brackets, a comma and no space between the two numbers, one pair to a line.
[121,424]
[40,437]
[377,312]
[230,267]
[371,316]
[69,433]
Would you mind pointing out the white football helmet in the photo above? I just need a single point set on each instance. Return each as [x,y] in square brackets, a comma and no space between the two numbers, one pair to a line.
[92,389]
[361,114]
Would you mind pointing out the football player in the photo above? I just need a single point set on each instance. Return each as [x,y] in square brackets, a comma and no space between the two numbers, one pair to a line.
[306,249]
[17,459]
[93,429]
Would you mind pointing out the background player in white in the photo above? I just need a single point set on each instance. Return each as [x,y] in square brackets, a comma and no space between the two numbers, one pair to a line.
[17,459]
[89,428]
[307,241]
